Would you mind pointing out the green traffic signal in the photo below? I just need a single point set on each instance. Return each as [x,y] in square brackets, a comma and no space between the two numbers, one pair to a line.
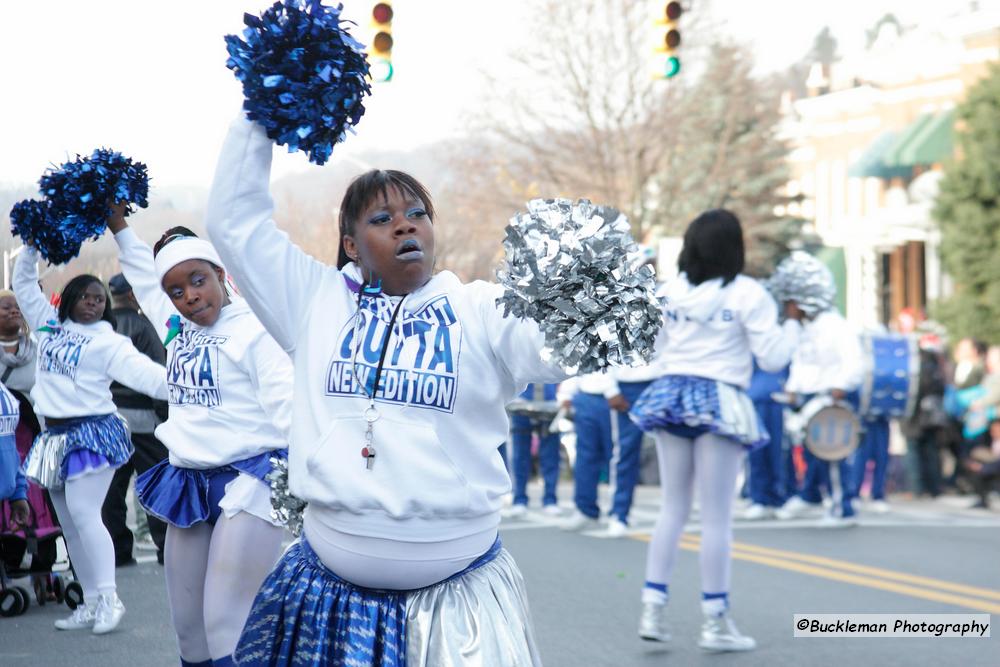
[672,68]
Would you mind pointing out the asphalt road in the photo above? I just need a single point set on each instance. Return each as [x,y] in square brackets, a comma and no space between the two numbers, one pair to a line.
[584,591]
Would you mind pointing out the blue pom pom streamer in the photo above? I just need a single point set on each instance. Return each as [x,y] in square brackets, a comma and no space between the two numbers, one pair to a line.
[76,198]
[303,75]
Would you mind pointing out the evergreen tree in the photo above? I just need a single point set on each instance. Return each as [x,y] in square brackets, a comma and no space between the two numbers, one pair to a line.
[968,211]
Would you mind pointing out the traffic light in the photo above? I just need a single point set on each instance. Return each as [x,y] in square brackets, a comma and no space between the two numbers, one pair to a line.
[668,40]
[380,50]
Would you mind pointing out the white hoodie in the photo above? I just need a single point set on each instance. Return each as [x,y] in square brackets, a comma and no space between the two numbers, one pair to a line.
[714,331]
[453,363]
[77,362]
[230,384]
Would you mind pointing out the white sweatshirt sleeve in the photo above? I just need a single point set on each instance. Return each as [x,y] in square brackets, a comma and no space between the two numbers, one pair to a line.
[567,389]
[270,371]
[137,371]
[771,343]
[276,277]
[30,298]
[136,258]
[517,344]
[850,373]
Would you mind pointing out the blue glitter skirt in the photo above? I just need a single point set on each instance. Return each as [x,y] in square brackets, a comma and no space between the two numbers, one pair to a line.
[688,406]
[185,496]
[306,615]
[80,445]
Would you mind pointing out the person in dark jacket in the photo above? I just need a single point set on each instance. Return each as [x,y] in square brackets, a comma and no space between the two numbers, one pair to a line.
[927,429]
[143,415]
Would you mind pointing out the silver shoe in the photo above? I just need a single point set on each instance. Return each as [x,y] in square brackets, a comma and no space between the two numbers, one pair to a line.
[719,633]
[653,622]
[109,613]
[82,617]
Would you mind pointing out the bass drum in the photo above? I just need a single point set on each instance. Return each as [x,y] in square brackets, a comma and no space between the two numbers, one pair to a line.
[892,376]
[832,430]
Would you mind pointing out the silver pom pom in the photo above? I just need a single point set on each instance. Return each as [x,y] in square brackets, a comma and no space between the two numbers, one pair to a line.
[285,507]
[802,278]
[575,269]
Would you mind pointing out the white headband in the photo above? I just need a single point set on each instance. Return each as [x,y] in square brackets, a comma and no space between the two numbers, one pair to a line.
[183,249]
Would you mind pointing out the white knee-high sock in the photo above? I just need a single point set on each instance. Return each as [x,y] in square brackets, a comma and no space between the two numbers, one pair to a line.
[85,574]
[244,550]
[89,543]
[185,559]
[717,464]
[676,462]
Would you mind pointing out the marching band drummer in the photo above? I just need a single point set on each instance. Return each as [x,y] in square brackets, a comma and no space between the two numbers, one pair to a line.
[828,360]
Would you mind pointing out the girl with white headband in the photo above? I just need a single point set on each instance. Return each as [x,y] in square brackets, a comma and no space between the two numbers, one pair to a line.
[229,391]
[84,441]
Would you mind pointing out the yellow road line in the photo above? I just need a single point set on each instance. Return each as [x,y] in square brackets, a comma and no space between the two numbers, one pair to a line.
[740,552]
[847,566]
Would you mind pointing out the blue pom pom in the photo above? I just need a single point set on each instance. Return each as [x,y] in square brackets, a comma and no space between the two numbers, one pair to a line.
[77,195]
[32,220]
[303,75]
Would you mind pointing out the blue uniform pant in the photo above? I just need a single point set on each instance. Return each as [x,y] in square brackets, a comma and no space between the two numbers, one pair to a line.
[628,452]
[592,423]
[818,477]
[548,460]
[769,481]
[874,446]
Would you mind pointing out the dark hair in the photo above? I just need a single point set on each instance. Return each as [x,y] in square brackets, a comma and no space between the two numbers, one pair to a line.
[981,347]
[364,189]
[73,292]
[713,247]
[172,234]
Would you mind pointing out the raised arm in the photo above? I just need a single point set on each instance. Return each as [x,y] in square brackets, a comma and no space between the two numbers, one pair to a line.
[136,258]
[276,277]
[30,298]
[771,343]
[137,371]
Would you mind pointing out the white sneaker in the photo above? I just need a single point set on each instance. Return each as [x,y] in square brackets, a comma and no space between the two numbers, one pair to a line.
[82,617]
[579,521]
[109,613]
[758,512]
[514,511]
[653,622]
[552,510]
[835,521]
[879,507]
[795,507]
[617,528]
[719,633]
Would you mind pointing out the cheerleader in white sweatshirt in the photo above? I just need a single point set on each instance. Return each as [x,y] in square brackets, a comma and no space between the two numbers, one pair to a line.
[230,389]
[401,377]
[84,441]
[716,322]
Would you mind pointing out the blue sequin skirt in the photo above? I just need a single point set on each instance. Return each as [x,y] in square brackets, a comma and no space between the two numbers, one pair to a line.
[185,496]
[305,615]
[685,402]
[77,446]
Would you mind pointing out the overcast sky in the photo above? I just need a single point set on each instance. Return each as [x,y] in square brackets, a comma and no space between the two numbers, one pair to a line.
[148,77]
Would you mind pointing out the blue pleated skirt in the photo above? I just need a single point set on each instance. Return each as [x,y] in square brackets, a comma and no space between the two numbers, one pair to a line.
[306,615]
[91,443]
[185,496]
[688,406]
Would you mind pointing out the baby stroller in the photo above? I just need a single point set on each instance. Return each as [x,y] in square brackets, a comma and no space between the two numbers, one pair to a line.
[31,551]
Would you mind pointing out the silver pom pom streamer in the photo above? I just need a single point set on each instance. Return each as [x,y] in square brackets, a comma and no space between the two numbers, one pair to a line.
[802,278]
[575,269]
[285,507]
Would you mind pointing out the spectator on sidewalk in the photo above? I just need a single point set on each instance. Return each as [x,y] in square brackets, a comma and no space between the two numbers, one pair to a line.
[926,430]
[143,415]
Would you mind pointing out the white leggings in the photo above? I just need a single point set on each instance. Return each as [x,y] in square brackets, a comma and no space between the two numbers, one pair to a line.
[213,575]
[714,463]
[78,506]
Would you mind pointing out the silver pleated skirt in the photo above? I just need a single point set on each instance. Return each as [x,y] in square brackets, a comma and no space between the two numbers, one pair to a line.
[306,615]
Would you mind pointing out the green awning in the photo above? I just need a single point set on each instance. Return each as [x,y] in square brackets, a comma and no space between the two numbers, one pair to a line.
[870,163]
[933,143]
[906,140]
